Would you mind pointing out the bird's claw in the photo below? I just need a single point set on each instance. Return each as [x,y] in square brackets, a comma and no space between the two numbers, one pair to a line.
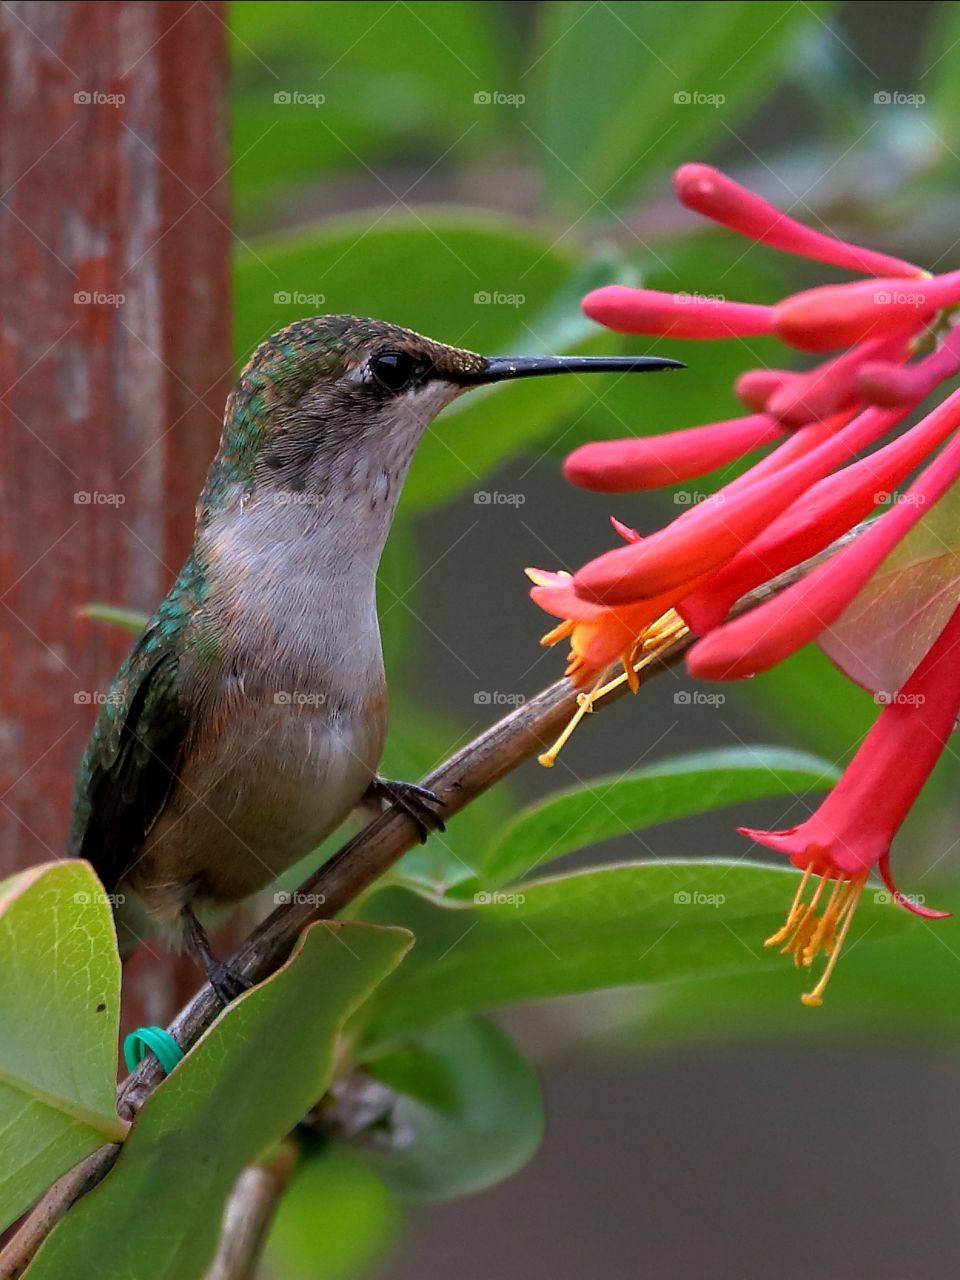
[420,804]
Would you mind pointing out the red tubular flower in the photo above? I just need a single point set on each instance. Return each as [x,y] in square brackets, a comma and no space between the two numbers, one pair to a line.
[712,193]
[681,315]
[832,386]
[707,536]
[879,382]
[766,635]
[755,387]
[831,507]
[837,315]
[812,487]
[649,462]
[853,829]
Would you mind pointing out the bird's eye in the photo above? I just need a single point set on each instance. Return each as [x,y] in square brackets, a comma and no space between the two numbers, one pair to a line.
[394,370]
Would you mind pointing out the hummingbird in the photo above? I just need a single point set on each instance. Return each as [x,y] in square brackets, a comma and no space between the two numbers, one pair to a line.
[249,719]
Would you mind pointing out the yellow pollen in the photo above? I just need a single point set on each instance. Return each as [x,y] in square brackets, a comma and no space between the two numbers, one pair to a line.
[652,641]
[806,934]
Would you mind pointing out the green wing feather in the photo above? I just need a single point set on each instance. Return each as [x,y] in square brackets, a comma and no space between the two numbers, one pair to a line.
[130,766]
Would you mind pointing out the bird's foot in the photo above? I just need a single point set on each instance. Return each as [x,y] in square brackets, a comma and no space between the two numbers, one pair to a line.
[419,803]
[226,982]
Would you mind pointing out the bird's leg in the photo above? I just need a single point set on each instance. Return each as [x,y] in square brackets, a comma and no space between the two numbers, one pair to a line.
[418,803]
[226,983]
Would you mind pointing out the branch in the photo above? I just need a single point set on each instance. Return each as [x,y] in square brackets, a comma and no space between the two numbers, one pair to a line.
[476,767]
[249,1213]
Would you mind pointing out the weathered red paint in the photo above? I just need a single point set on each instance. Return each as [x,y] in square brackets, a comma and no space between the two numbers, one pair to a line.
[115,361]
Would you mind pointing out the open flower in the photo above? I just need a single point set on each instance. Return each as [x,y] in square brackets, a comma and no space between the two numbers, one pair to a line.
[851,832]
[891,342]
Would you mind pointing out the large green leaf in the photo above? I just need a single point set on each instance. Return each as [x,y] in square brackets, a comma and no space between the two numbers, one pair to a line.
[469,1111]
[242,1087]
[662,792]
[397,81]
[629,89]
[636,923]
[427,273]
[60,1012]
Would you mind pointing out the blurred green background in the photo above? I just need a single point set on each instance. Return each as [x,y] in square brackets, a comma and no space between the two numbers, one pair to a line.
[468,170]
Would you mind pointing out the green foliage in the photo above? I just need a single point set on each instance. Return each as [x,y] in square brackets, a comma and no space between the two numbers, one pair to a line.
[60,1010]
[677,788]
[674,78]
[335,1210]
[469,1112]
[247,1082]
[394,78]
[612,926]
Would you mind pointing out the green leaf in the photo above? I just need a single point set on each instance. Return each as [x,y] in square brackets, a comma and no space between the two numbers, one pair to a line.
[397,83]
[245,1084]
[469,1111]
[336,1210]
[391,270]
[608,807]
[634,923]
[60,1013]
[900,989]
[940,73]
[630,89]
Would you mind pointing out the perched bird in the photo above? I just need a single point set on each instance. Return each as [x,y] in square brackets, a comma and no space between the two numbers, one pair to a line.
[250,716]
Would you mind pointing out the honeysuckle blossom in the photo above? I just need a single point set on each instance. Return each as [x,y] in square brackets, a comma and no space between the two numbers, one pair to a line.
[889,342]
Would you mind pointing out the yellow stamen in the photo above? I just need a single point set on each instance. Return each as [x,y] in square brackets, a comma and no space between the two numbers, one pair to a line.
[806,933]
[558,633]
[813,999]
[652,641]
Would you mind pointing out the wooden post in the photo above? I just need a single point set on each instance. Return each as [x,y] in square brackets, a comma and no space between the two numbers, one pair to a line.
[115,360]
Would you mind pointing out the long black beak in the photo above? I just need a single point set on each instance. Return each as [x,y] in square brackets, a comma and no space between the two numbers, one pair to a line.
[503,368]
